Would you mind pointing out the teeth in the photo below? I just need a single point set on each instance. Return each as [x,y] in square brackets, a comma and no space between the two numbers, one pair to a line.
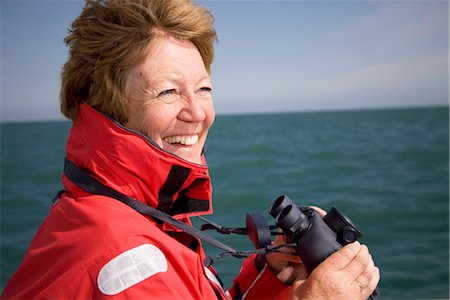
[184,140]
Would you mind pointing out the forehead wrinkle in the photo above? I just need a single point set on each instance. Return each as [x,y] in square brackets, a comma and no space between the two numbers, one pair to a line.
[153,74]
[165,75]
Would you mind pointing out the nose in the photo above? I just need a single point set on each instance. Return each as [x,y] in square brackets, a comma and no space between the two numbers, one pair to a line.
[193,110]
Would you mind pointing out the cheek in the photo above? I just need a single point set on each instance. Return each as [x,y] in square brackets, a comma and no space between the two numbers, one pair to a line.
[210,114]
[154,122]
[142,118]
[159,117]
[145,118]
[135,117]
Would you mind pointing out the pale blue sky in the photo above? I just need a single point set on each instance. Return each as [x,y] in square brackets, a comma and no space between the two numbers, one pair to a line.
[272,55]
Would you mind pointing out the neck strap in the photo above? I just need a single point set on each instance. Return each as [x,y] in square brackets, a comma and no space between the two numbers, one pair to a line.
[91,185]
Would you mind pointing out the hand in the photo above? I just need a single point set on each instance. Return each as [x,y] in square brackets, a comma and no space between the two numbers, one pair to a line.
[349,273]
[287,268]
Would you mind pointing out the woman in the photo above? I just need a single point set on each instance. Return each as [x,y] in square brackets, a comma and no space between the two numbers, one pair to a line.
[137,88]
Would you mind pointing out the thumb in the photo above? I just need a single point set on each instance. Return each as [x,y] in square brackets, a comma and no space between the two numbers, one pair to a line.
[341,258]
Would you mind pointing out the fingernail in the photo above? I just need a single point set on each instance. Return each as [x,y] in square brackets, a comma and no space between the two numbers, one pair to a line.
[355,246]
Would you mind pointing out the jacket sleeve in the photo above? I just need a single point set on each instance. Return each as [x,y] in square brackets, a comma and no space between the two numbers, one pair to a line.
[256,281]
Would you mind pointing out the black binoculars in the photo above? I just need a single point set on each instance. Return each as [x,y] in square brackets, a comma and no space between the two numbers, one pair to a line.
[315,237]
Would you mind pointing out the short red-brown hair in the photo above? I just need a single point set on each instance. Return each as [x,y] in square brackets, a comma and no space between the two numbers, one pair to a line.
[112,36]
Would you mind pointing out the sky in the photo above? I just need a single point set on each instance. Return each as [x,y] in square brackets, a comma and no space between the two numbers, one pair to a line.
[272,56]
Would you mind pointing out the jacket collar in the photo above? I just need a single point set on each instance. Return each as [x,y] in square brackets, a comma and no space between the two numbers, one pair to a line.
[132,164]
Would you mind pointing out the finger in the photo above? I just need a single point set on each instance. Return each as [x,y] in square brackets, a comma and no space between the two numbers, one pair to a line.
[319,210]
[365,278]
[374,282]
[360,263]
[368,281]
[369,290]
[288,254]
[341,258]
[285,257]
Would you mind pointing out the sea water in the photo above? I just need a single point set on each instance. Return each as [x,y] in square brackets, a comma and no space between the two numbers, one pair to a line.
[387,170]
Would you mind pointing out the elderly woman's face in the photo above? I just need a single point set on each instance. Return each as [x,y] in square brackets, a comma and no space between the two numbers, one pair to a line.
[170,98]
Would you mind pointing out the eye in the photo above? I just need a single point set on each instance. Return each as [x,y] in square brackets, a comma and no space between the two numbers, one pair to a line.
[167,92]
[205,89]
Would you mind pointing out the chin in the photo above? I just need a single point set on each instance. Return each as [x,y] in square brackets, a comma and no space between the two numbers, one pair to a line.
[196,160]
[190,158]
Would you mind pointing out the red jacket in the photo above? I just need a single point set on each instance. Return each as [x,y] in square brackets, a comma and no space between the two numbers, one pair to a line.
[92,246]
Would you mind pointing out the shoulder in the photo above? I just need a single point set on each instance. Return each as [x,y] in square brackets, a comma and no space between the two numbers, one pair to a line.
[101,222]
[119,250]
[108,249]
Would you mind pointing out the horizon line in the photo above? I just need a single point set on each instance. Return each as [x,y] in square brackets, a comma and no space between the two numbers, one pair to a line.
[249,113]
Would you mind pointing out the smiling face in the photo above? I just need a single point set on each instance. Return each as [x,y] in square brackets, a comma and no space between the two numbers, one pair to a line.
[170,98]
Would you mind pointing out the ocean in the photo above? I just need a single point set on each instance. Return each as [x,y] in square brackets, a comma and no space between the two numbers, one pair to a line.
[387,170]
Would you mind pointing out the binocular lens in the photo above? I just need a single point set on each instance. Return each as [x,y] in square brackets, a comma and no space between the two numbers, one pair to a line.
[288,217]
[292,220]
[279,204]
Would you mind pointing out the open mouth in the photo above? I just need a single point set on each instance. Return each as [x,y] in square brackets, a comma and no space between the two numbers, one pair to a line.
[187,140]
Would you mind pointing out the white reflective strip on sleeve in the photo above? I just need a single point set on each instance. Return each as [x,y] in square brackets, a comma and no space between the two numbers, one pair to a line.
[213,278]
[131,267]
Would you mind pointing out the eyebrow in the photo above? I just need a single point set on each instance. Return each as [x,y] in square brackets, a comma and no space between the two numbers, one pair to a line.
[175,78]
[205,77]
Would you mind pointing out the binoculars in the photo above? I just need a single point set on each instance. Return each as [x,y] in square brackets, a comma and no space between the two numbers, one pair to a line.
[316,238]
